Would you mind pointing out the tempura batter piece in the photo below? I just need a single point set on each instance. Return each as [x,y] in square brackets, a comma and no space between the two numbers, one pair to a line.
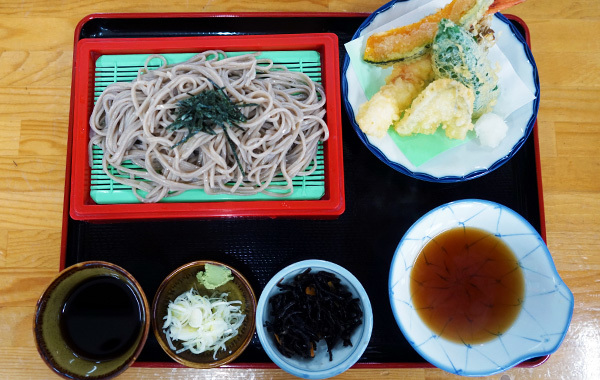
[385,108]
[446,103]
[412,41]
[457,56]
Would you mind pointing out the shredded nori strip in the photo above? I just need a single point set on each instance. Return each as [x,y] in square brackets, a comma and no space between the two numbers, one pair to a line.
[312,307]
[206,110]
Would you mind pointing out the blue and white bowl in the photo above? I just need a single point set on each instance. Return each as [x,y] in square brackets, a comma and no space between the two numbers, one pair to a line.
[469,160]
[546,310]
[318,367]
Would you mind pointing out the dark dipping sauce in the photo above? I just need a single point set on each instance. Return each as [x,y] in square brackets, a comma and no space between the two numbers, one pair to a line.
[101,318]
[467,285]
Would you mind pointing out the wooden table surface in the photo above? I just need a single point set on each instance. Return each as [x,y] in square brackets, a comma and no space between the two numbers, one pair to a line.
[36,47]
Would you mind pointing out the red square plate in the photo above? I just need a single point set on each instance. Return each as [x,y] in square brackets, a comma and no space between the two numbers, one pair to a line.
[82,207]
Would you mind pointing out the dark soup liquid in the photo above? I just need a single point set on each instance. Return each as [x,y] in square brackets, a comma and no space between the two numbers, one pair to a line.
[467,285]
[101,318]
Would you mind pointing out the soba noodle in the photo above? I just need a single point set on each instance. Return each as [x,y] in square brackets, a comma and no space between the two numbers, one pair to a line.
[280,137]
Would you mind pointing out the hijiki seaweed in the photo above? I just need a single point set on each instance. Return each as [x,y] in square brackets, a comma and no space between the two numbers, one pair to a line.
[312,307]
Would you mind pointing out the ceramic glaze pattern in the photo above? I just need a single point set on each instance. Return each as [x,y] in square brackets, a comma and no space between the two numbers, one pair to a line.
[546,309]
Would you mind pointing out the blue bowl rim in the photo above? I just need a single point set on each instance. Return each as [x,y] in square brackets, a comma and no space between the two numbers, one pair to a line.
[556,276]
[359,346]
[425,176]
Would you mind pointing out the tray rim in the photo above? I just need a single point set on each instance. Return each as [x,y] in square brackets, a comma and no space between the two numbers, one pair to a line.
[270,365]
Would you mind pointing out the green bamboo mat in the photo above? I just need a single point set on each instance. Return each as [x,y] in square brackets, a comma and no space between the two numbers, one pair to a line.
[124,68]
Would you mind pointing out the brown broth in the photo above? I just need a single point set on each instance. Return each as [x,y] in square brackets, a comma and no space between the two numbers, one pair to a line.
[467,285]
[101,318]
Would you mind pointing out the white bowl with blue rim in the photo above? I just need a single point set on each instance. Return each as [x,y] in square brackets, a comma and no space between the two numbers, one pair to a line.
[471,159]
[546,309]
[318,367]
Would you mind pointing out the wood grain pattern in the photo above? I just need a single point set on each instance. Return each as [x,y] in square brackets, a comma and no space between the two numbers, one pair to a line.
[20,68]
[36,46]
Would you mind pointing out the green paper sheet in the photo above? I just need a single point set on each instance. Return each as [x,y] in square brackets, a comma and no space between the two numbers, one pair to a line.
[419,149]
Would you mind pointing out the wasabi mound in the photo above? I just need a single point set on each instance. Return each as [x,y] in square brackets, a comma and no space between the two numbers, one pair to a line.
[214,276]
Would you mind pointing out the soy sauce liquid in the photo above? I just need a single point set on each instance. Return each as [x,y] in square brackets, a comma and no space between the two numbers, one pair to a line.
[467,285]
[101,318]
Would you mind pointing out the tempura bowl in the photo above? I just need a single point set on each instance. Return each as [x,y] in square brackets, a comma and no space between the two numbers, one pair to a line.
[546,309]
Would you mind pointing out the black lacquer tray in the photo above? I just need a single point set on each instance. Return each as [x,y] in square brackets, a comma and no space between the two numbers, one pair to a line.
[381,203]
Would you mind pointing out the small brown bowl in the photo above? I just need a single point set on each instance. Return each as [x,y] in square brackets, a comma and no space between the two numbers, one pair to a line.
[50,329]
[182,280]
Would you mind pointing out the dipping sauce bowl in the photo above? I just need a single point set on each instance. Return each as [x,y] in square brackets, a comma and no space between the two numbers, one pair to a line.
[541,302]
[92,321]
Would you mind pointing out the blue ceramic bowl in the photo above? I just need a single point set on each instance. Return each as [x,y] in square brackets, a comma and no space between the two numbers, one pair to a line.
[318,367]
[546,309]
